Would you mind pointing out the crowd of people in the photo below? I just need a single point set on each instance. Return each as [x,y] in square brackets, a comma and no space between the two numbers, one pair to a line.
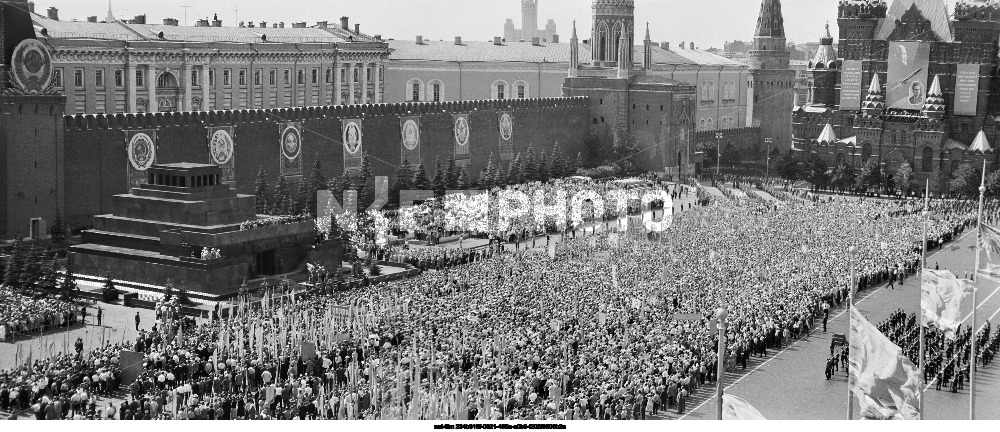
[21,314]
[528,336]
[947,360]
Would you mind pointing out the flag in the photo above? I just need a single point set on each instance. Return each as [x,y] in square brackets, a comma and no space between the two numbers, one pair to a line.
[941,300]
[614,275]
[885,382]
[734,408]
[552,250]
[989,241]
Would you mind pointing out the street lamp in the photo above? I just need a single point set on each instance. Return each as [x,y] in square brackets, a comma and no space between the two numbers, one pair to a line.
[720,316]
[718,152]
[767,162]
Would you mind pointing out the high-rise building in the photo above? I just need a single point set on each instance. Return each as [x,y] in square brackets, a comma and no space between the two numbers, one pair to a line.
[529,26]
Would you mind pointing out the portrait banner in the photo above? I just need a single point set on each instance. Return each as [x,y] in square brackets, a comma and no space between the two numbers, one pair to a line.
[140,147]
[353,144]
[222,151]
[505,122]
[409,129]
[290,148]
[906,85]
[462,132]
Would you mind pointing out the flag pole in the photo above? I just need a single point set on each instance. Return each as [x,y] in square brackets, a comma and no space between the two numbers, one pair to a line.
[720,316]
[853,250]
[972,357]
[923,266]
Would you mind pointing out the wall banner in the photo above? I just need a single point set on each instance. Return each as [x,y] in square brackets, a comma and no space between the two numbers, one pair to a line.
[222,151]
[291,148]
[906,85]
[462,131]
[140,146]
[967,89]
[353,144]
[851,86]
[506,124]
[409,129]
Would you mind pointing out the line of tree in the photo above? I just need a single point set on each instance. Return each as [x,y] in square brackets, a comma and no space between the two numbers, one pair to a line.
[31,267]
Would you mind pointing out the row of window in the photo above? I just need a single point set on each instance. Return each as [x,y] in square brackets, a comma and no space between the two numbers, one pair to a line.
[708,90]
[433,90]
[167,79]
[709,124]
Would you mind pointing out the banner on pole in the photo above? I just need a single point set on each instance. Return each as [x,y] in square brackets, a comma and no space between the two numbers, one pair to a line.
[506,125]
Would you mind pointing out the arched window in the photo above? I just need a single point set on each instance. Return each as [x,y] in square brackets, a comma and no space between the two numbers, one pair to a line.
[708,124]
[520,89]
[701,124]
[414,90]
[616,34]
[711,90]
[601,43]
[927,160]
[435,91]
[166,80]
[500,90]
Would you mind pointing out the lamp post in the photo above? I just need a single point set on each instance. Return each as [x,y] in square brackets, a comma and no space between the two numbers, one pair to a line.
[767,161]
[720,317]
[718,152]
[853,250]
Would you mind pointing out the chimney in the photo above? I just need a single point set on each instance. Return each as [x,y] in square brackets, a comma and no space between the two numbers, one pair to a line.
[555,38]
[31,7]
[378,37]
[665,45]
[299,25]
[345,23]
[420,40]
[242,24]
[263,24]
[281,25]
[170,22]
[536,41]
[692,46]
[216,23]
[497,40]
[139,19]
[199,23]
[357,29]
[458,40]
[323,24]
[274,25]
[92,19]
[53,14]
[250,24]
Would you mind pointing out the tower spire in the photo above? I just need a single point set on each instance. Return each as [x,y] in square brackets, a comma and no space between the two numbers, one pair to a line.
[647,51]
[574,53]
[770,23]
[934,105]
[111,17]
[874,102]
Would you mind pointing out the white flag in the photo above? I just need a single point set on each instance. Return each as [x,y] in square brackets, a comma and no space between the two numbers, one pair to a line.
[734,408]
[884,381]
[941,300]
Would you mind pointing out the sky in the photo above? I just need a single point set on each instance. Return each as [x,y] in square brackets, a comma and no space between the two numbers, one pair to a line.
[707,23]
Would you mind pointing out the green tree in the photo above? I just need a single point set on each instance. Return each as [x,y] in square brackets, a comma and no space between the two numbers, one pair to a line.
[939,181]
[420,180]
[402,181]
[348,182]
[439,179]
[817,171]
[530,166]
[49,280]
[58,230]
[869,176]
[282,202]
[302,196]
[965,180]
[319,182]
[336,188]
[264,205]
[367,182]
[788,167]
[557,163]
[993,184]
[15,264]
[68,287]
[451,174]
[595,150]
[463,180]
[902,177]
[487,178]
[543,167]
[33,267]
[515,172]
[843,176]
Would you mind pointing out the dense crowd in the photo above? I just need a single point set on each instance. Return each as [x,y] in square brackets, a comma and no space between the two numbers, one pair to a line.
[584,335]
[21,314]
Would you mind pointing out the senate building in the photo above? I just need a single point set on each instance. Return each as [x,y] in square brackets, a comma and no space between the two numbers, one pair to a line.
[909,84]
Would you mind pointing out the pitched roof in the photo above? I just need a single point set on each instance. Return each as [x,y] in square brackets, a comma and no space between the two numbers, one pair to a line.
[485,51]
[981,143]
[933,10]
[136,32]
[827,135]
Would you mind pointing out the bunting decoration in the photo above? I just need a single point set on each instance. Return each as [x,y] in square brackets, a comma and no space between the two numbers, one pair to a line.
[506,124]
[291,148]
[141,149]
[222,151]
[409,129]
[353,144]
[463,154]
